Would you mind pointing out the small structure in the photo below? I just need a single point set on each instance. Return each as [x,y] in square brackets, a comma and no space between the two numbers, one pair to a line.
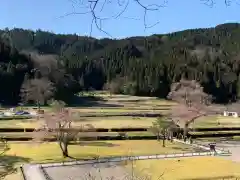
[232,114]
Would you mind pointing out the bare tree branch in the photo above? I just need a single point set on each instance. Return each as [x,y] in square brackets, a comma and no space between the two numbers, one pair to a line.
[37,90]
[211,3]
[150,7]
[97,7]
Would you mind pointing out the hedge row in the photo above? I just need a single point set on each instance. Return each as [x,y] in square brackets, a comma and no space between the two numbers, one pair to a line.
[81,134]
[13,130]
[26,136]
[15,117]
[214,132]
[121,114]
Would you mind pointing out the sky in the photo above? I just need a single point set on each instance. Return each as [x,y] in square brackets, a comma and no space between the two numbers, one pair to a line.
[51,15]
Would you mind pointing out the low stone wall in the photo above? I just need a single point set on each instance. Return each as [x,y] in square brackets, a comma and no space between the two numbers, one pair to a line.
[127,158]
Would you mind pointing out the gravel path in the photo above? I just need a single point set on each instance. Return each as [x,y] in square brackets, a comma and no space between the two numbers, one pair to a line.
[89,171]
[33,172]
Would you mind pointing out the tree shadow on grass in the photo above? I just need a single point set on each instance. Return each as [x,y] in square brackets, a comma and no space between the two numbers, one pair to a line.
[90,101]
[188,149]
[149,115]
[95,143]
[8,164]
[84,157]
[181,148]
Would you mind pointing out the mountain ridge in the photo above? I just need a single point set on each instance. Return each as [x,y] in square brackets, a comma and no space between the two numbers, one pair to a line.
[138,65]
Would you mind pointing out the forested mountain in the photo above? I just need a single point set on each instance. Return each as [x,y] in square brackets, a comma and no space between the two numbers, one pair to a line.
[137,65]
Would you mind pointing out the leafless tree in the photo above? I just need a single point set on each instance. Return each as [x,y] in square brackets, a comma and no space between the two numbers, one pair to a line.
[193,103]
[37,90]
[98,9]
[59,125]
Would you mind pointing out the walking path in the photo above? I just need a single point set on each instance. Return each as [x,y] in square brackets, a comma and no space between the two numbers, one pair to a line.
[33,172]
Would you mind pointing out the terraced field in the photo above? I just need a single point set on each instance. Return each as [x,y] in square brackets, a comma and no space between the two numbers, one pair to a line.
[120,111]
[109,111]
[216,121]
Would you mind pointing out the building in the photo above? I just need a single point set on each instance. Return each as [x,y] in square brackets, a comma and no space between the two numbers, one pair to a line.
[233,114]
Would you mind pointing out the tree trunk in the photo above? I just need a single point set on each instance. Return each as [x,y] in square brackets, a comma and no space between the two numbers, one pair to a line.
[171,136]
[163,141]
[185,131]
[38,105]
[158,136]
[190,140]
[64,148]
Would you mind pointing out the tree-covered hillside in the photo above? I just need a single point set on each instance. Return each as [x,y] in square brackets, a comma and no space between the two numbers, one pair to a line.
[137,65]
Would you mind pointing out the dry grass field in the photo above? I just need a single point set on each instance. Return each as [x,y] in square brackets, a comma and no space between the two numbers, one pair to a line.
[188,168]
[51,151]
[117,122]
[98,122]
[118,111]
[216,121]
[110,112]
[15,176]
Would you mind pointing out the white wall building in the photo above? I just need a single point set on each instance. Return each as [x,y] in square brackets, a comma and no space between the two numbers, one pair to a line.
[233,114]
